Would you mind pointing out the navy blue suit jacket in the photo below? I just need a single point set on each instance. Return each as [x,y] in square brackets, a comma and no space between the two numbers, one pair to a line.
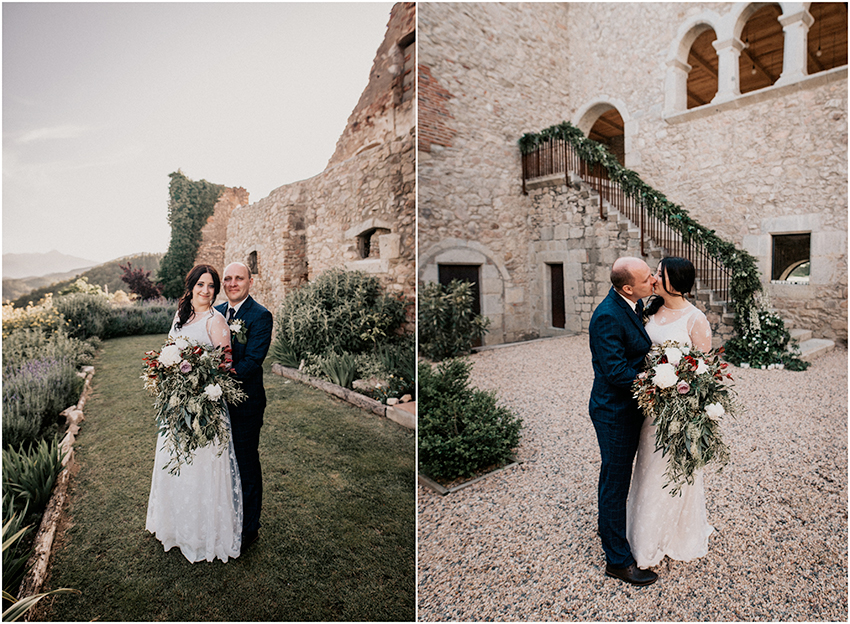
[619,343]
[248,358]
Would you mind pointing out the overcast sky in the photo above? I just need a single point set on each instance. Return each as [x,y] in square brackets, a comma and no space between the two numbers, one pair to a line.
[102,101]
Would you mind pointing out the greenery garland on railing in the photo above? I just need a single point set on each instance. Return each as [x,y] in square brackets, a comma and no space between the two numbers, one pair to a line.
[753,344]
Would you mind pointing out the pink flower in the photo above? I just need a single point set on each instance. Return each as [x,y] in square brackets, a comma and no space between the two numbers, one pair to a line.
[683,387]
[185,367]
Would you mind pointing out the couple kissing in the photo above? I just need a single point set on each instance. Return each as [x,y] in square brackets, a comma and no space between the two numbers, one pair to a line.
[639,522]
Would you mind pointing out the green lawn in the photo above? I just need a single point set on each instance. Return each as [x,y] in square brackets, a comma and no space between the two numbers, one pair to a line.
[338,536]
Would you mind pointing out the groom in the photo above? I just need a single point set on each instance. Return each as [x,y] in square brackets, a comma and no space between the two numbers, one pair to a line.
[619,344]
[250,345]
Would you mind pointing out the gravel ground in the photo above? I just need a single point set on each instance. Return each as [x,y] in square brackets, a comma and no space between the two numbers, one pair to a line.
[521,545]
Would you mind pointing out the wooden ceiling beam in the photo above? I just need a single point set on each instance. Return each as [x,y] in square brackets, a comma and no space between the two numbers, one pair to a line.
[759,67]
[702,62]
[616,127]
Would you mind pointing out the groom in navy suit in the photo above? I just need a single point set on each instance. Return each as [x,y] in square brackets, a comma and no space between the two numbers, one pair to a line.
[619,344]
[250,345]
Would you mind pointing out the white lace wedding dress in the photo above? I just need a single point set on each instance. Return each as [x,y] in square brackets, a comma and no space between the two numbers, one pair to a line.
[658,524]
[199,510]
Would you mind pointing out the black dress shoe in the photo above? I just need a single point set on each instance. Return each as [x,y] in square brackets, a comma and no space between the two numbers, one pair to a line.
[248,539]
[632,574]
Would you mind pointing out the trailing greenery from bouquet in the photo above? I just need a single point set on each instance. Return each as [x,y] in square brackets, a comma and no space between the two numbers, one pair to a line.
[685,394]
[745,283]
[190,204]
[461,429]
[190,383]
[448,326]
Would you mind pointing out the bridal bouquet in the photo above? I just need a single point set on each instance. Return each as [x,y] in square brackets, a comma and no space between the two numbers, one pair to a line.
[683,391]
[191,382]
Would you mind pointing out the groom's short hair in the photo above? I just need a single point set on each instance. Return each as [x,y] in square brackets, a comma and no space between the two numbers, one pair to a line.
[621,276]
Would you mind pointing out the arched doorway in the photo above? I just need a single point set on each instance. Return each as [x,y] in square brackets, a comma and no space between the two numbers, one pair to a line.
[609,129]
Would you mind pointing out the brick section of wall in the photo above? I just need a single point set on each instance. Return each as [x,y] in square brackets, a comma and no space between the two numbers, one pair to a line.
[305,228]
[214,233]
[434,127]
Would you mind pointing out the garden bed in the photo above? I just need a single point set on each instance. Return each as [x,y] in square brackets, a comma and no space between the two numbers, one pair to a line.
[350,396]
[443,487]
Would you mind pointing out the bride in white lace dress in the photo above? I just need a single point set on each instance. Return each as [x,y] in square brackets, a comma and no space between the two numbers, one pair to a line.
[199,510]
[658,524]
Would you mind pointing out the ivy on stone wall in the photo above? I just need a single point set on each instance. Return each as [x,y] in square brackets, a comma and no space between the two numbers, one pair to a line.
[745,283]
[190,204]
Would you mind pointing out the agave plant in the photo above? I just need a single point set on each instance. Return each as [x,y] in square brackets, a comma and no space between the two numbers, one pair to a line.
[29,476]
[19,607]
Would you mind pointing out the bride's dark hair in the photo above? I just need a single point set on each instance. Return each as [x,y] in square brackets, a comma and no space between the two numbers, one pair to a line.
[184,306]
[681,273]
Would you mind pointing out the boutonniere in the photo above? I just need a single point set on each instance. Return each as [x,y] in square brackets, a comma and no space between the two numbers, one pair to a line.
[239,331]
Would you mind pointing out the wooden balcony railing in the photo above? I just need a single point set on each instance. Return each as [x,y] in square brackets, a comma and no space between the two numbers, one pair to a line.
[557,156]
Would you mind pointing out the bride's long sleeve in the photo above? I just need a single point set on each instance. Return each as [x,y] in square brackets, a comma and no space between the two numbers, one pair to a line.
[700,332]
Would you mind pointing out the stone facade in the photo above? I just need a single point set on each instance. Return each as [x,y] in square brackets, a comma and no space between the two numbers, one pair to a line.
[214,233]
[748,166]
[360,212]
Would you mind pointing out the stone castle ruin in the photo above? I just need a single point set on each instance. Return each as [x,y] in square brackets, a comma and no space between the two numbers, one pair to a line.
[358,214]
[735,111]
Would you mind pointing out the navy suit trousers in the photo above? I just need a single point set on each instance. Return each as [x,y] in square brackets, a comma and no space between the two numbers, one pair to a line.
[247,419]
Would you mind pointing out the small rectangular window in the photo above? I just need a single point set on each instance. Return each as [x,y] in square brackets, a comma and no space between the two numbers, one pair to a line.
[791,258]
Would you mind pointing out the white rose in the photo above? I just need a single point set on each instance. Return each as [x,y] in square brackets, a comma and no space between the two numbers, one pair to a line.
[701,367]
[170,355]
[235,327]
[686,349]
[674,355]
[665,375]
[213,392]
[714,410]
[181,343]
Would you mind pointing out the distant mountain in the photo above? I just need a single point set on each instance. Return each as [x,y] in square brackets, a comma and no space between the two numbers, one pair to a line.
[17,266]
[106,275]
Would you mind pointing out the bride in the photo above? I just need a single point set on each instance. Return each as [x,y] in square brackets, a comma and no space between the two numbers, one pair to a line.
[199,510]
[658,524]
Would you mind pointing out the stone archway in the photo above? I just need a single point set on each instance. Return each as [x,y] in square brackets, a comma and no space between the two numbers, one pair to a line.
[494,277]
[607,120]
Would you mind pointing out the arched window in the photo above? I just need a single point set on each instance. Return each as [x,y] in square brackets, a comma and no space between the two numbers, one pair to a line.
[827,37]
[702,78]
[761,60]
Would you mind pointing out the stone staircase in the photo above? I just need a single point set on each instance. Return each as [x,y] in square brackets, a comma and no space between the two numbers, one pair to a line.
[811,348]
[719,313]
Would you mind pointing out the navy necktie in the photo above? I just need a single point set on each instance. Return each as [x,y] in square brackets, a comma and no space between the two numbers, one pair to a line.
[230,314]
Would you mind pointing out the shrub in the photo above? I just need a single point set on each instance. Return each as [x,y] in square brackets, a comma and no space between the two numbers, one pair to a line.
[461,429]
[139,282]
[448,327]
[341,311]
[39,381]
[281,351]
[763,339]
[85,315]
[141,317]
[43,317]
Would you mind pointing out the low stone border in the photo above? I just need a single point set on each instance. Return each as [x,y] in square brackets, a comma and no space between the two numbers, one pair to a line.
[355,398]
[43,544]
[439,489]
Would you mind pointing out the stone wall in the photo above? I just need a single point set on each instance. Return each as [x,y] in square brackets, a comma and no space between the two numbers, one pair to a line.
[490,76]
[771,161]
[214,233]
[367,191]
